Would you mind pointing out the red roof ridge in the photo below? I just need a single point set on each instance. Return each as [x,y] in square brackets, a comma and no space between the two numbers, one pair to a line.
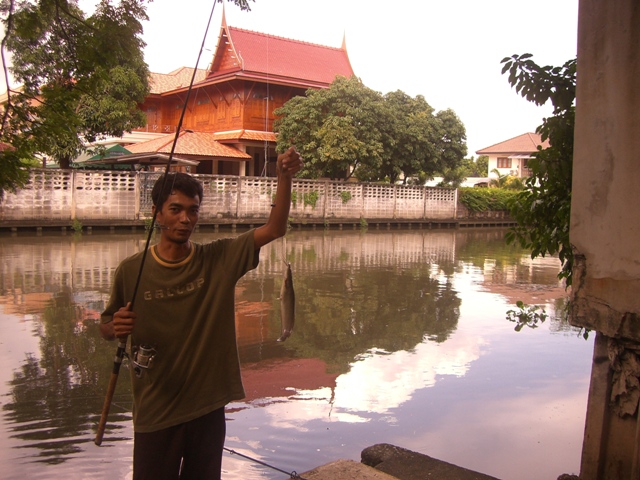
[253,32]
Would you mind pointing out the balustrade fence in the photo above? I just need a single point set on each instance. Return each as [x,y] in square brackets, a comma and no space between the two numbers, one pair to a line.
[58,196]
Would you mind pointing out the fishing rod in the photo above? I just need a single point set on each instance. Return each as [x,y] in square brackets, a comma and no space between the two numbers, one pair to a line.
[122,342]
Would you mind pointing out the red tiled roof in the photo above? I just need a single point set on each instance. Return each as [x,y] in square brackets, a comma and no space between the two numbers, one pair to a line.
[525,143]
[195,144]
[181,77]
[253,53]
[245,135]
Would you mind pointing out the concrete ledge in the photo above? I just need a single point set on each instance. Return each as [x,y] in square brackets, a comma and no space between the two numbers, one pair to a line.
[346,470]
[407,465]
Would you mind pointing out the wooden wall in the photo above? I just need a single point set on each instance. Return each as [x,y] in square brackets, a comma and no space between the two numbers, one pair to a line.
[234,105]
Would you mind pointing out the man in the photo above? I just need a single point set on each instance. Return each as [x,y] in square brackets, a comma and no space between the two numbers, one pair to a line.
[183,329]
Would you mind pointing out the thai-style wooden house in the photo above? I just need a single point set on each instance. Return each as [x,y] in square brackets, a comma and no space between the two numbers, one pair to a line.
[228,123]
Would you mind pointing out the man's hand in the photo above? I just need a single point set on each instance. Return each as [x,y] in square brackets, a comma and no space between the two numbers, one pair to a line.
[121,325]
[123,321]
[289,163]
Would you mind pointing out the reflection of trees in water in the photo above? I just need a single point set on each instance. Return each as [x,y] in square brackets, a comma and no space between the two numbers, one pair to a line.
[508,263]
[559,317]
[341,314]
[55,400]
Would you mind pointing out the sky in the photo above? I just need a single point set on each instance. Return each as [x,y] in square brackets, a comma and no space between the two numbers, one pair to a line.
[447,51]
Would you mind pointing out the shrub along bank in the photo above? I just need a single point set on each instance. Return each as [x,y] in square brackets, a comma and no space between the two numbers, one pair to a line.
[478,200]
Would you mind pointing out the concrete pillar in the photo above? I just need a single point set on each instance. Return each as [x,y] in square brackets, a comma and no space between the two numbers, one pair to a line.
[605,231]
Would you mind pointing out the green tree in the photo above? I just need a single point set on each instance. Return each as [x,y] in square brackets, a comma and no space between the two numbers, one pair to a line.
[335,130]
[350,130]
[81,78]
[475,167]
[469,167]
[450,140]
[409,133]
[543,209]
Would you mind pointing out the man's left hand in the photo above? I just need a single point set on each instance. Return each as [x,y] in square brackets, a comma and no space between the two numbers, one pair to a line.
[289,162]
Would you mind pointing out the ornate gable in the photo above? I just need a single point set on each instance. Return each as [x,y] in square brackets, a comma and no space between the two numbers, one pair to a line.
[225,58]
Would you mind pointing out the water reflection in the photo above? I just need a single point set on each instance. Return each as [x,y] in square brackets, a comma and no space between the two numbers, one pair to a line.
[383,319]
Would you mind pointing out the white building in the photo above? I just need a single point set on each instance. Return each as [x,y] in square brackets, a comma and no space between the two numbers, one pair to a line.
[511,156]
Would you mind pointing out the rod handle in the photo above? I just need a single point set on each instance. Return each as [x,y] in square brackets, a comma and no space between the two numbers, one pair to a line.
[113,380]
[106,407]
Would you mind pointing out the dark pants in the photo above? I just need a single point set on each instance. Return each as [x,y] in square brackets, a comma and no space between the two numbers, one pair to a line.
[188,451]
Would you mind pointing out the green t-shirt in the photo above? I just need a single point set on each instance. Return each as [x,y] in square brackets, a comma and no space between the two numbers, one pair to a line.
[186,312]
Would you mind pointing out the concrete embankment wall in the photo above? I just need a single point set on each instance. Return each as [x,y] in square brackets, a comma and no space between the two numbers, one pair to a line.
[60,198]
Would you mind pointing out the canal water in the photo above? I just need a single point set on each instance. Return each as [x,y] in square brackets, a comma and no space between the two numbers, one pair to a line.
[401,337]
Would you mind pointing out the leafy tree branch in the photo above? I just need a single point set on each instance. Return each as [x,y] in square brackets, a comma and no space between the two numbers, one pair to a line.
[543,209]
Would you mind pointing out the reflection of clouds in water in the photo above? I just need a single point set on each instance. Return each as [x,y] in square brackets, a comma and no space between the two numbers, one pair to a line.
[235,466]
[307,406]
[377,383]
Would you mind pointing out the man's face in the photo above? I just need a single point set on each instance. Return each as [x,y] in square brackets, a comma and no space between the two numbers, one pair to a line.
[178,217]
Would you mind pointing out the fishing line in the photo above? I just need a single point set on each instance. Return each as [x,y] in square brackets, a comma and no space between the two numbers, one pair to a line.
[292,474]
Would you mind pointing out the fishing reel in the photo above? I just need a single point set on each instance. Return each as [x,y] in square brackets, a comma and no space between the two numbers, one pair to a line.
[142,358]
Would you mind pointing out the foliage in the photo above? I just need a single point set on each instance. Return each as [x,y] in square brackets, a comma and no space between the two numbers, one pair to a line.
[468,167]
[14,171]
[486,199]
[345,195]
[514,183]
[543,209]
[475,167]
[350,130]
[76,225]
[526,315]
[310,198]
[505,181]
[363,223]
[81,78]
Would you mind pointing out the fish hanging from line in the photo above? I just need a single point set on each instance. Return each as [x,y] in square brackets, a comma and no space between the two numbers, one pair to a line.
[287,304]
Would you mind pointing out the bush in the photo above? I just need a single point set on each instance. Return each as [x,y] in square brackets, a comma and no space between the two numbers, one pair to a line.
[486,199]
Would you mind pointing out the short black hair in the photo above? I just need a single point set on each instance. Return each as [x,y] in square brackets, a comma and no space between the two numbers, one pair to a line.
[179,181]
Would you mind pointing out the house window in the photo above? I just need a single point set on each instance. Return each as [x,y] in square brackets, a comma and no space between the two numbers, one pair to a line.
[504,162]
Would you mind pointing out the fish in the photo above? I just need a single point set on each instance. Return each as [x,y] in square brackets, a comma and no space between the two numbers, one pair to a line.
[287,304]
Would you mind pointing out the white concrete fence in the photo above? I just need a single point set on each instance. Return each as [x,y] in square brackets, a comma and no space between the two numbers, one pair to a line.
[54,197]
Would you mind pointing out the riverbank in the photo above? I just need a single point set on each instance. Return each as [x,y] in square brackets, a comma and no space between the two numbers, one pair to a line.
[16,226]
[389,462]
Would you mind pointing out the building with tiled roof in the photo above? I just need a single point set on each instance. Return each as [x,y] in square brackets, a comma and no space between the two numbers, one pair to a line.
[511,156]
[179,78]
[233,100]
